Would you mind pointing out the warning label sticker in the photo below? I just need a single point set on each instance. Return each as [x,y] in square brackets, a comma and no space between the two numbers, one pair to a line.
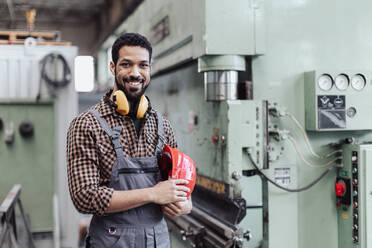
[331,112]
[282,176]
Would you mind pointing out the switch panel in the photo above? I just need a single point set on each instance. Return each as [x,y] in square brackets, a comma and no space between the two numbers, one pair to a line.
[343,191]
[338,100]
[352,201]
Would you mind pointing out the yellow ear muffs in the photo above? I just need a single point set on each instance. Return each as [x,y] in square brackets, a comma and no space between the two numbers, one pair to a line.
[143,105]
[121,101]
[123,108]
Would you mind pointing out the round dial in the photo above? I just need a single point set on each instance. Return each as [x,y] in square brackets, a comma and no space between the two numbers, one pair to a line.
[351,112]
[358,81]
[342,82]
[325,82]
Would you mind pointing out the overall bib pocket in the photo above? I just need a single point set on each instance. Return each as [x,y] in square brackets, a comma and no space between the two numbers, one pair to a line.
[138,178]
[113,237]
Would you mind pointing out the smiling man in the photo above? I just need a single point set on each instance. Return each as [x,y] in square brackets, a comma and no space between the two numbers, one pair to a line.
[112,157]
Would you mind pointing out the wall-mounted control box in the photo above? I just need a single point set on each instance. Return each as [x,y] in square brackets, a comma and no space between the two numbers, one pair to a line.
[338,100]
[354,198]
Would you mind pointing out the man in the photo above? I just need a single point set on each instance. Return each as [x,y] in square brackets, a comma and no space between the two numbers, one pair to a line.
[112,159]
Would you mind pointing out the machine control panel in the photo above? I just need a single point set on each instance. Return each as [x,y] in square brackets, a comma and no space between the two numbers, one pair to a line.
[354,172]
[347,193]
[337,100]
[342,189]
[352,196]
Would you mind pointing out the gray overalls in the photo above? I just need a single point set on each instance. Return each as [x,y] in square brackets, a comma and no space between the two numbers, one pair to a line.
[140,227]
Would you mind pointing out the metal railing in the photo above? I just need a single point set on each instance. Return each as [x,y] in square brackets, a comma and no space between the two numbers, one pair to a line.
[8,225]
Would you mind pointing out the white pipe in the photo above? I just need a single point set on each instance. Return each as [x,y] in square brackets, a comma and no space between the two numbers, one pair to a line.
[57,230]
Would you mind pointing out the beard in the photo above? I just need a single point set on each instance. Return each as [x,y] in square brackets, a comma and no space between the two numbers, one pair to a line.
[131,96]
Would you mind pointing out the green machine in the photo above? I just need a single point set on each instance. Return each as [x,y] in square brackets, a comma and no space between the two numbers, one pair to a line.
[34,117]
[28,130]
[270,99]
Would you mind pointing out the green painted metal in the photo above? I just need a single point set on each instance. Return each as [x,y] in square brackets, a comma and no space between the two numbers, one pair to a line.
[223,62]
[30,161]
[301,37]
[367,198]
[353,99]
[150,13]
[215,24]
[195,28]
[236,121]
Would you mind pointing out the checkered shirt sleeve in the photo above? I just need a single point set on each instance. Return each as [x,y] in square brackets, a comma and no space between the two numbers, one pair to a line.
[169,134]
[83,171]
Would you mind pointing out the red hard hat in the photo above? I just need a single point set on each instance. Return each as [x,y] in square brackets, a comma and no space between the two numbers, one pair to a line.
[177,165]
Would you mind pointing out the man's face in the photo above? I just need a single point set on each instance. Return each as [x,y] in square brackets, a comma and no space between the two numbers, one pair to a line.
[132,71]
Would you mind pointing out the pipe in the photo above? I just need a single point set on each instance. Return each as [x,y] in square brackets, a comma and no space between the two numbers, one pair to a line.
[203,230]
[220,85]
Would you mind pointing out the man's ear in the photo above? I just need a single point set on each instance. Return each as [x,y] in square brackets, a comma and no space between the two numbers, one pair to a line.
[112,68]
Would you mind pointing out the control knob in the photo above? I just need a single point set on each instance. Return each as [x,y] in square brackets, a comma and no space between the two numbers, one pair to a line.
[340,188]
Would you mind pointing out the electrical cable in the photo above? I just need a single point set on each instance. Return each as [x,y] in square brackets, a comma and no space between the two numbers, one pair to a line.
[294,143]
[54,83]
[287,189]
[308,141]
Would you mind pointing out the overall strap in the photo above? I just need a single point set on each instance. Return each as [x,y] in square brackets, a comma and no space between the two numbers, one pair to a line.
[114,134]
[161,139]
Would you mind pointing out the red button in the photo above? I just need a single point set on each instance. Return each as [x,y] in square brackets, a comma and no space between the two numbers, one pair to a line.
[215,139]
[340,189]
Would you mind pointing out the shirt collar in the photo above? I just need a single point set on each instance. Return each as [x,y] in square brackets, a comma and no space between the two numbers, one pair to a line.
[106,106]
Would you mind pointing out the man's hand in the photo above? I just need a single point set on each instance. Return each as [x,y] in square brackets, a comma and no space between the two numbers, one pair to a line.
[170,191]
[176,209]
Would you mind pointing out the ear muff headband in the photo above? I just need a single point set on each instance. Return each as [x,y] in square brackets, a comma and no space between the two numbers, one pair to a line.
[123,107]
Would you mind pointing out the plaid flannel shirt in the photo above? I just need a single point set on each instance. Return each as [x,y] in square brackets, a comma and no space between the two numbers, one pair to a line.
[90,153]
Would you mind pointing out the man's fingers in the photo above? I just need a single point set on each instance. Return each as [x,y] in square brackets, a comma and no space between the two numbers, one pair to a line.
[181,198]
[180,181]
[181,193]
[177,204]
[183,188]
[168,214]
[170,210]
[174,207]
[167,210]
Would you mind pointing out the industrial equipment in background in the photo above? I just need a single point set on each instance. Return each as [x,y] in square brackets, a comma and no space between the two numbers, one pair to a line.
[278,102]
[37,102]
[9,225]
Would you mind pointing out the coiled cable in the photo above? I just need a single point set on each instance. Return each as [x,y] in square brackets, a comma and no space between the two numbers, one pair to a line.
[54,58]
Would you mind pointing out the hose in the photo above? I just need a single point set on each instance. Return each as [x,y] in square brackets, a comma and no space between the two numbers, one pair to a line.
[54,83]
[287,189]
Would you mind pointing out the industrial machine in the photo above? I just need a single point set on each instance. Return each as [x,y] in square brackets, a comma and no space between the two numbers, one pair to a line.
[37,102]
[271,99]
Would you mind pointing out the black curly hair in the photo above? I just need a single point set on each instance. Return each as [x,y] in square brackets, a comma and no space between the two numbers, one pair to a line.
[130,39]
